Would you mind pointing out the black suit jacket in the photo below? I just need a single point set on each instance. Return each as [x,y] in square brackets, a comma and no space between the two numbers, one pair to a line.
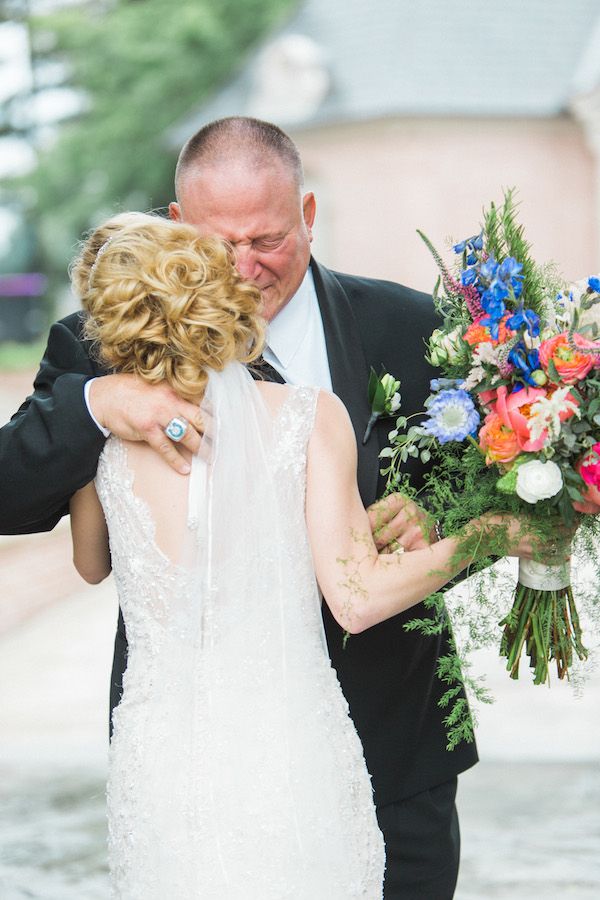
[388,674]
[51,448]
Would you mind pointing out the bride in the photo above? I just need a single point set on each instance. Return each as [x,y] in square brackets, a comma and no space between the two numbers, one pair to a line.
[235,770]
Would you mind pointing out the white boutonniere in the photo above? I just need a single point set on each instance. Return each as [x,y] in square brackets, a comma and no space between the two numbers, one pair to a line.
[384,398]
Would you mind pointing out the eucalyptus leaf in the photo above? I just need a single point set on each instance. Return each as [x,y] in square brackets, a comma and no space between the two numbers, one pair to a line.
[574,494]
[580,427]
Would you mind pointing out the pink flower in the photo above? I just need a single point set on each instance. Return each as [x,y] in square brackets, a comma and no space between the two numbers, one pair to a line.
[571,365]
[514,411]
[487,398]
[468,292]
[589,467]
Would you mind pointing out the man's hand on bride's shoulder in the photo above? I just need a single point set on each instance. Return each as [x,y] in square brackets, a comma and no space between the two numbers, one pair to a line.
[134,410]
[399,524]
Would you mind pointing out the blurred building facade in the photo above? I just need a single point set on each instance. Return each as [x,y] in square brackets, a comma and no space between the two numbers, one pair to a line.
[416,115]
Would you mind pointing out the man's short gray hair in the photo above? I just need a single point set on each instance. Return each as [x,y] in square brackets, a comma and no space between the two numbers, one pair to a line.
[234,138]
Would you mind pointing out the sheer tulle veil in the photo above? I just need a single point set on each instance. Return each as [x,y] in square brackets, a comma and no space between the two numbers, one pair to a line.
[247,656]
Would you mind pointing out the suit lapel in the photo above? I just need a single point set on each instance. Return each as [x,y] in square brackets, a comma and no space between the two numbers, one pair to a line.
[349,371]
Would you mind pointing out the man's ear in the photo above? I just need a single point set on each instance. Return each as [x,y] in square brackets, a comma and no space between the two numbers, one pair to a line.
[175,212]
[309,209]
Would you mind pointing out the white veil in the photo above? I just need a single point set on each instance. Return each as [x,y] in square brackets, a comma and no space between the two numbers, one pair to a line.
[246,653]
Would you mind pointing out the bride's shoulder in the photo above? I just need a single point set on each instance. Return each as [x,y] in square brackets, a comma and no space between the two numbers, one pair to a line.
[331,414]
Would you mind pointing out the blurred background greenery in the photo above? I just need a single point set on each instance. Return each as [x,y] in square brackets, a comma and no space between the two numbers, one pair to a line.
[89,76]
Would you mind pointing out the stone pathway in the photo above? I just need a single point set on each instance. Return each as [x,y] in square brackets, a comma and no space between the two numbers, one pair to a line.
[530,811]
[530,830]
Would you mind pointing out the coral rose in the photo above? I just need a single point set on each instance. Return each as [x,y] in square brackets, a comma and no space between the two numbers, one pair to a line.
[571,365]
[499,442]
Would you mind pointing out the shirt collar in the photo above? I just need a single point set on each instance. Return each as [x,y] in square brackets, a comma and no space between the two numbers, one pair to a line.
[288,328]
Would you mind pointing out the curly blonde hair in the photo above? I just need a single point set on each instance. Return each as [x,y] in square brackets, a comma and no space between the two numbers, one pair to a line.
[164,303]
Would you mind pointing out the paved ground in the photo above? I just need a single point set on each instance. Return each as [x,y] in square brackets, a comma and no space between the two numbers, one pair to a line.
[530,811]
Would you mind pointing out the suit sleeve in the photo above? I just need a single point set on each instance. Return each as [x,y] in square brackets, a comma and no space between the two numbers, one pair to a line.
[50,447]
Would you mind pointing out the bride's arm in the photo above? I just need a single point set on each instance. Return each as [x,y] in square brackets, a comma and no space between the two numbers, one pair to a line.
[91,554]
[361,587]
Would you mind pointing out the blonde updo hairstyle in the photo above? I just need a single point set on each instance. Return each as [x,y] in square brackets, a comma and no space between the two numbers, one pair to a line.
[164,303]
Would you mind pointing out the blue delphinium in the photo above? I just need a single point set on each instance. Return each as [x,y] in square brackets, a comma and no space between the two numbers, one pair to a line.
[452,416]
[488,269]
[492,301]
[525,362]
[471,244]
[509,272]
[594,284]
[496,283]
[469,276]
[524,318]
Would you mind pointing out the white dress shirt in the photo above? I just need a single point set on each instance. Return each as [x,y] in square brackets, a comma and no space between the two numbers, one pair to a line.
[86,397]
[296,341]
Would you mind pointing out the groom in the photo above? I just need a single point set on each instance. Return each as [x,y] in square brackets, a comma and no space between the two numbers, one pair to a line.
[241,179]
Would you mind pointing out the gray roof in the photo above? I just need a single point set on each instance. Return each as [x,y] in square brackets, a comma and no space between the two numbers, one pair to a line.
[347,60]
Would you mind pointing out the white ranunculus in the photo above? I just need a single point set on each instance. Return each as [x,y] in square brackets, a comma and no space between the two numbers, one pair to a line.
[445,347]
[537,480]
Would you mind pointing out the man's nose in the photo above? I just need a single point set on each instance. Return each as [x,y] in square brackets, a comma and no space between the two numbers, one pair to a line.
[246,262]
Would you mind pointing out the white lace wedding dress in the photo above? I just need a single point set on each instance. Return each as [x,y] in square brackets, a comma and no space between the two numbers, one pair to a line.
[235,770]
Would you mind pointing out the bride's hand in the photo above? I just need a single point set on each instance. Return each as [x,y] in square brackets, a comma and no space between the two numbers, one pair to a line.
[521,542]
[398,522]
[590,505]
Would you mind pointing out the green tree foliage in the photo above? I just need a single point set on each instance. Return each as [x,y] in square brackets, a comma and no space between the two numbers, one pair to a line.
[141,66]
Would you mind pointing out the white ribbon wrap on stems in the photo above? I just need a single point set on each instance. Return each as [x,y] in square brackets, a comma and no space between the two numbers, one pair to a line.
[542,577]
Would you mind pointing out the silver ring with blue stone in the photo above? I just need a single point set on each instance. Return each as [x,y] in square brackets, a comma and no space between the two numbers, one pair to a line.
[176,429]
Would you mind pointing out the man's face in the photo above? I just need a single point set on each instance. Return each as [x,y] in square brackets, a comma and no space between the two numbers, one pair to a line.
[262,216]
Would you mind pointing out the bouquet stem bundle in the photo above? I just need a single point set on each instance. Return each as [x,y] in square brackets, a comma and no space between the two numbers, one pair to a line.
[543,620]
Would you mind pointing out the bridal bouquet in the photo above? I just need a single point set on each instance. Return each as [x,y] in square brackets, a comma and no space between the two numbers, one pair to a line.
[513,426]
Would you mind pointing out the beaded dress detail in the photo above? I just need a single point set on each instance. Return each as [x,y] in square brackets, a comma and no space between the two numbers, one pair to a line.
[235,770]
